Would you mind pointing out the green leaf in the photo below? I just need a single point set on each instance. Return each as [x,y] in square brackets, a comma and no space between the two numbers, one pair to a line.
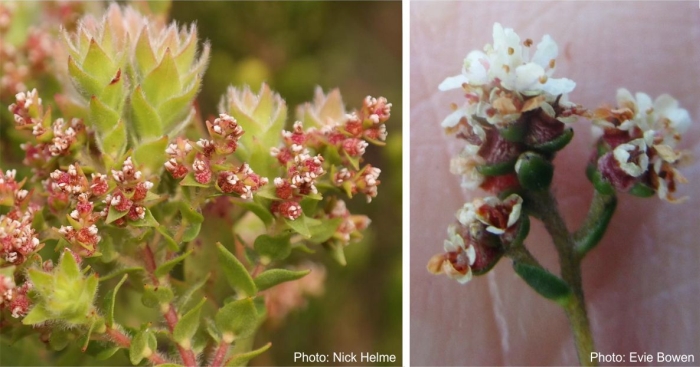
[237,319]
[496,169]
[189,292]
[272,277]
[147,221]
[59,339]
[189,213]
[114,93]
[43,282]
[596,223]
[163,82]
[109,301]
[175,109]
[184,59]
[543,282]
[272,248]
[267,192]
[324,231]
[144,343]
[243,358]
[106,353]
[167,266]
[601,184]
[155,296]
[114,214]
[69,267]
[337,253]
[122,271]
[642,190]
[190,181]
[191,232]
[258,209]
[151,155]
[114,142]
[557,143]
[236,274]
[212,330]
[146,120]
[523,231]
[144,57]
[514,132]
[98,64]
[187,326]
[86,84]
[299,226]
[103,118]
[534,171]
[37,315]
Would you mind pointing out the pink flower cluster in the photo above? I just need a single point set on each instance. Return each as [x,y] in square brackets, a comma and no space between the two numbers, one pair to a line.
[207,159]
[14,298]
[17,237]
[52,139]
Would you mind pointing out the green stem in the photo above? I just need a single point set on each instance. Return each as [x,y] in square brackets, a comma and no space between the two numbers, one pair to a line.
[544,206]
[520,254]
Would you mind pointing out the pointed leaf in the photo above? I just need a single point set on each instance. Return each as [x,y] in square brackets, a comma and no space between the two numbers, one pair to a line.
[147,221]
[163,82]
[175,109]
[237,319]
[98,64]
[272,277]
[114,143]
[236,274]
[106,353]
[69,267]
[167,266]
[103,118]
[169,241]
[146,120]
[191,182]
[151,155]
[37,315]
[324,231]
[145,59]
[86,85]
[189,292]
[299,226]
[43,282]
[243,358]
[109,301]
[258,209]
[272,248]
[114,93]
[141,346]
[187,326]
[114,214]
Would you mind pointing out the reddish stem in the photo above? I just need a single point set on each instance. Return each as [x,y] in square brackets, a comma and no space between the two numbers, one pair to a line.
[220,355]
[123,341]
[187,356]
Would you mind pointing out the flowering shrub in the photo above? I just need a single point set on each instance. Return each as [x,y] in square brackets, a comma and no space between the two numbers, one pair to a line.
[125,183]
[515,119]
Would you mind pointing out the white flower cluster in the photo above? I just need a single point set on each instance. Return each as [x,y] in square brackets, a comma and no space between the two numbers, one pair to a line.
[503,81]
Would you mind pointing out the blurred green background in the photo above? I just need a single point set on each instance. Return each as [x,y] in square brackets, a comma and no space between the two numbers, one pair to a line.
[295,46]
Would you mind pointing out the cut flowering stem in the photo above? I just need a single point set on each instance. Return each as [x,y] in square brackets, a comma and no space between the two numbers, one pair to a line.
[599,215]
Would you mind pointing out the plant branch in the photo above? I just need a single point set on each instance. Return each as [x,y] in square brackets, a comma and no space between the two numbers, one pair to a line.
[544,206]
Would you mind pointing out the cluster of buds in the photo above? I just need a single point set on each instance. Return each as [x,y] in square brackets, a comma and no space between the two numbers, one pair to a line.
[350,227]
[302,172]
[18,239]
[14,298]
[636,151]
[347,136]
[513,106]
[53,139]
[484,230]
[207,160]
[129,195]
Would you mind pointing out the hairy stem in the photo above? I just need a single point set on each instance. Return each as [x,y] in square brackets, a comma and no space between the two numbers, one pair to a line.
[188,357]
[122,340]
[544,206]
[220,355]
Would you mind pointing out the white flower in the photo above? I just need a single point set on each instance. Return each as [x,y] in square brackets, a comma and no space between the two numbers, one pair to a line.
[632,157]
[465,165]
[507,62]
[492,211]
